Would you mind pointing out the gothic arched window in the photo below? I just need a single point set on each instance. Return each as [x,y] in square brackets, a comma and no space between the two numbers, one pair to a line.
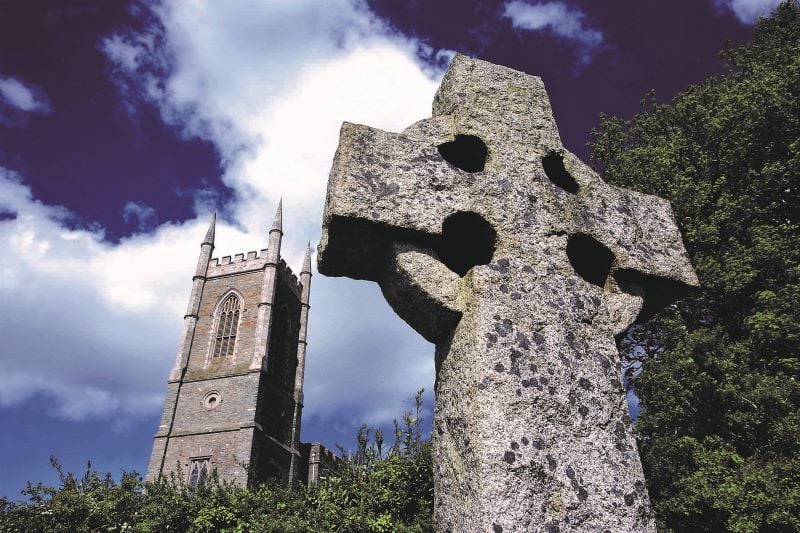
[198,470]
[227,326]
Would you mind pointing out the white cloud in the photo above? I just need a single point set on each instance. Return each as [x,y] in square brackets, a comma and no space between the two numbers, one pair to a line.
[362,359]
[225,61]
[143,215]
[558,17]
[747,11]
[71,331]
[269,85]
[27,98]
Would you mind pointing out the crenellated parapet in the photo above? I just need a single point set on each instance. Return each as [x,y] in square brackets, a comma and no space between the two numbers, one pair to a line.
[254,260]
[290,278]
[225,265]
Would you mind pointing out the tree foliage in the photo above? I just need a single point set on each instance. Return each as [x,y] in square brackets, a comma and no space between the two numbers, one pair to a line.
[373,491]
[717,373]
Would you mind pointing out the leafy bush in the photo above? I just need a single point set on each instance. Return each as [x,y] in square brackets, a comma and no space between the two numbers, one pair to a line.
[372,491]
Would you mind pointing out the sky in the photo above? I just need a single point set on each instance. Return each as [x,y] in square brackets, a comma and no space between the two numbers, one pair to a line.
[125,125]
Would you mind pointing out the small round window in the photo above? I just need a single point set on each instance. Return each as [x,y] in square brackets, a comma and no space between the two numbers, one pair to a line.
[212,399]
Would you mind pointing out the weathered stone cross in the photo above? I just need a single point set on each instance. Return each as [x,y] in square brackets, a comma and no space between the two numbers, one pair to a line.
[521,265]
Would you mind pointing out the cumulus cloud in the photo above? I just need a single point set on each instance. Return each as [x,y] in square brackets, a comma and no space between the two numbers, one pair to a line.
[91,325]
[73,331]
[556,16]
[28,98]
[748,11]
[18,101]
[142,215]
[269,84]
[364,362]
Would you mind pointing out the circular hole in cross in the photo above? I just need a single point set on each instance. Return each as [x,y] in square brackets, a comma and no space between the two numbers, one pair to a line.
[590,258]
[467,240]
[466,152]
[553,164]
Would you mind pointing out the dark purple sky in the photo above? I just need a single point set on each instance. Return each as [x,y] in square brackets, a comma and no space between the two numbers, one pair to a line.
[127,144]
[90,154]
[647,45]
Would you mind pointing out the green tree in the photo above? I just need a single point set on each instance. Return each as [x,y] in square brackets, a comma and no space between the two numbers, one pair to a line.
[717,373]
[373,491]
[378,490]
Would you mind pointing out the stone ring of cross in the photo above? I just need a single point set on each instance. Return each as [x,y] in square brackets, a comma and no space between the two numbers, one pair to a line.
[521,265]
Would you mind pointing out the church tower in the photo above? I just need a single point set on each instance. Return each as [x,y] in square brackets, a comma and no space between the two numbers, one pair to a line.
[235,395]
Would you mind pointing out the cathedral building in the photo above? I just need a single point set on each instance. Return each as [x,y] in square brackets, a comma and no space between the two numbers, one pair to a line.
[235,394]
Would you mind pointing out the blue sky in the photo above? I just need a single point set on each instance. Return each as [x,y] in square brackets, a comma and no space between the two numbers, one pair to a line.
[124,125]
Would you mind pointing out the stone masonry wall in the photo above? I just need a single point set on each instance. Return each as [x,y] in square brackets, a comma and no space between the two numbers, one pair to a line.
[222,410]
[224,432]
[228,451]
[248,285]
[229,411]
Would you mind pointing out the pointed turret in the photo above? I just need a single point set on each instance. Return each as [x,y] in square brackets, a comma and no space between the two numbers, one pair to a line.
[277,225]
[211,229]
[305,282]
[307,260]
[206,249]
[268,284]
[302,342]
[275,236]
[193,309]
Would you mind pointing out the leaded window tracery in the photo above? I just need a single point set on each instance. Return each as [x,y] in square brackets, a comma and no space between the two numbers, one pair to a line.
[198,470]
[227,327]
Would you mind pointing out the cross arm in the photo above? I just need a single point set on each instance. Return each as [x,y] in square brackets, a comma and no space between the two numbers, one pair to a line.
[383,188]
[650,260]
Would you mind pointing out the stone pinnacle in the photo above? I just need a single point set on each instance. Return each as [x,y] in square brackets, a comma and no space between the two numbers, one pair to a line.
[307,260]
[211,229]
[278,223]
